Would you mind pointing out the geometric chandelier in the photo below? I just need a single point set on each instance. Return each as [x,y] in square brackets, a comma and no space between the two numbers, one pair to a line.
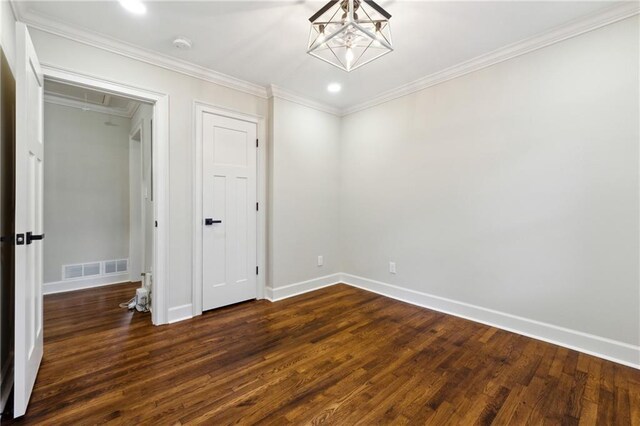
[350,33]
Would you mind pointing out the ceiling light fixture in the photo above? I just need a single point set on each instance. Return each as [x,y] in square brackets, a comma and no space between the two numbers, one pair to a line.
[134,6]
[350,33]
[334,87]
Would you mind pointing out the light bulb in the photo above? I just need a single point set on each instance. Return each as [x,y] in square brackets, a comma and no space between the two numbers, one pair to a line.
[349,56]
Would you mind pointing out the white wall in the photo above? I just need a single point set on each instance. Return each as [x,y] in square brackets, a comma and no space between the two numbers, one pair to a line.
[86,188]
[182,90]
[304,176]
[514,188]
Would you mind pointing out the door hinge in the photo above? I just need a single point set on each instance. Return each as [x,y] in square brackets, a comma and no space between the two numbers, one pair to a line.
[257,206]
[256,270]
[257,143]
[156,223]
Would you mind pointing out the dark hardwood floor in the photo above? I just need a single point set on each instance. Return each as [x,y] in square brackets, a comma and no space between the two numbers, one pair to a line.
[337,356]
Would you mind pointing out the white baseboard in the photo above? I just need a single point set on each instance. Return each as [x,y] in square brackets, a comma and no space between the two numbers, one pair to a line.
[184,312]
[6,382]
[83,283]
[612,350]
[279,293]
[179,313]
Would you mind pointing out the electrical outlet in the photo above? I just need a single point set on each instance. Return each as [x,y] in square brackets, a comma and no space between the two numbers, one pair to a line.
[320,260]
[392,267]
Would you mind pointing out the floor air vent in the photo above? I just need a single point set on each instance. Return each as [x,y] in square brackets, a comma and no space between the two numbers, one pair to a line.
[71,271]
[80,270]
[92,269]
[89,269]
[115,266]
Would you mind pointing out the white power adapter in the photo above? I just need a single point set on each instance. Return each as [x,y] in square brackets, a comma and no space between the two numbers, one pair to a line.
[142,299]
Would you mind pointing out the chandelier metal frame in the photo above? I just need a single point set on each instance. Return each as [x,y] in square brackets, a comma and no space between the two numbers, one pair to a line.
[350,33]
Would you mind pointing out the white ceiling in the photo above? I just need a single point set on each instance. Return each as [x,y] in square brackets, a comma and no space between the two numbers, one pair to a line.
[264,42]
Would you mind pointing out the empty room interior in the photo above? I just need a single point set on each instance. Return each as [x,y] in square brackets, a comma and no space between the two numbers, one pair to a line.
[97,207]
[308,212]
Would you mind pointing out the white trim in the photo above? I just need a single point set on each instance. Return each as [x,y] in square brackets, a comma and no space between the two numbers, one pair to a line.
[226,112]
[180,313]
[140,247]
[199,107]
[295,289]
[612,350]
[278,92]
[49,25]
[161,165]
[6,382]
[72,103]
[85,282]
[564,32]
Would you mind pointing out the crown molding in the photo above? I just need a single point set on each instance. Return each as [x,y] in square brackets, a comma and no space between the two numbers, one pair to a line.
[274,91]
[572,29]
[72,103]
[49,25]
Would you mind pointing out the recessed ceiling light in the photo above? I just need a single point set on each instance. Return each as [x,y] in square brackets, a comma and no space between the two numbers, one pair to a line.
[134,6]
[334,87]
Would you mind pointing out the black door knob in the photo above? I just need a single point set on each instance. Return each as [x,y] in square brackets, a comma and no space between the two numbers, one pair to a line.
[34,237]
[209,221]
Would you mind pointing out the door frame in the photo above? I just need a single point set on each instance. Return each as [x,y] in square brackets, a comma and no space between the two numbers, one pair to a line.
[199,108]
[160,101]
[135,128]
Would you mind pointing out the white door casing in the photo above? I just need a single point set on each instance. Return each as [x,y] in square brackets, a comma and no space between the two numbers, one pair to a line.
[229,191]
[136,215]
[29,202]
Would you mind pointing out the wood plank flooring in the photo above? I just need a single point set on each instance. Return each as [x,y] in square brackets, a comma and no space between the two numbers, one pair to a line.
[339,355]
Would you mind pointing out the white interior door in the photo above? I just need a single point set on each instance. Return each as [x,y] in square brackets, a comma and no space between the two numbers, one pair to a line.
[229,210]
[28,258]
